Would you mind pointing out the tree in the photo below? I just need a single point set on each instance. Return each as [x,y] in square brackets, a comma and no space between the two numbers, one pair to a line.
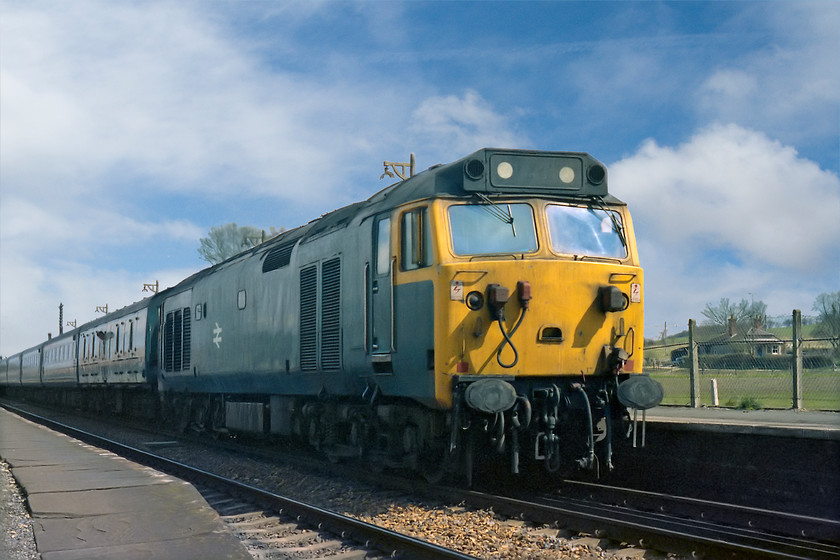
[828,307]
[744,313]
[223,242]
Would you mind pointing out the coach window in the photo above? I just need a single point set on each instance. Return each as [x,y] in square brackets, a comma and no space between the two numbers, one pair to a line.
[130,335]
[240,299]
[416,239]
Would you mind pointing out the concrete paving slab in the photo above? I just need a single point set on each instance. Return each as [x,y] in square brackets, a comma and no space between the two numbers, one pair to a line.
[157,497]
[89,503]
[786,423]
[21,457]
[96,531]
[195,548]
[58,478]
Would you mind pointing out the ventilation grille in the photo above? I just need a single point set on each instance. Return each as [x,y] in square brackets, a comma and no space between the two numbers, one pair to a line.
[279,257]
[176,340]
[309,318]
[168,343]
[331,314]
[186,339]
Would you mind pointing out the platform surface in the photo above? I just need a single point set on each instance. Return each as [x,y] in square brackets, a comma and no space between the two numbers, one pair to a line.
[87,503]
[788,423]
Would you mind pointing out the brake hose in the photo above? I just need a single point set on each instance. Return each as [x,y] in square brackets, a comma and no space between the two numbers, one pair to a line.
[507,339]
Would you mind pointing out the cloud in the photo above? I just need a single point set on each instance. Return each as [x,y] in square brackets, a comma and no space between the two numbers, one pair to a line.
[731,188]
[461,125]
[790,78]
[129,129]
[732,84]
[77,255]
[167,96]
[730,213]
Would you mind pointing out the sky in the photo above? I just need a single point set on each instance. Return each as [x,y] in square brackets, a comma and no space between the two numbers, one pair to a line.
[129,129]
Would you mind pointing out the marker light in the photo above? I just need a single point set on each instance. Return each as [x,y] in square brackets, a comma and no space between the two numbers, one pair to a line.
[567,175]
[504,170]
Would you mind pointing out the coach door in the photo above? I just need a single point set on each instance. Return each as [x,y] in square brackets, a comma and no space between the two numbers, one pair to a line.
[381,296]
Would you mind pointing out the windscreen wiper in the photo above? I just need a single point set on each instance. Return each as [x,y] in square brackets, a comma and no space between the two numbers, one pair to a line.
[506,217]
[615,223]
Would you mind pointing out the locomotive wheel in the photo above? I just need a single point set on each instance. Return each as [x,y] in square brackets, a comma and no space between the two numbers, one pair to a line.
[314,432]
[217,415]
[199,415]
[358,438]
[435,462]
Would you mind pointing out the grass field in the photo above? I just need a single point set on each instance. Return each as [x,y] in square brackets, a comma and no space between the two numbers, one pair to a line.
[752,388]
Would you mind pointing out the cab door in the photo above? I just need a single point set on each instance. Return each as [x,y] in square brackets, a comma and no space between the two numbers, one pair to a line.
[381,294]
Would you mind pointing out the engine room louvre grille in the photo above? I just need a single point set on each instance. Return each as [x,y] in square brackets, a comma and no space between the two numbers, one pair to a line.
[309,318]
[186,339]
[168,341]
[331,314]
[177,335]
[279,257]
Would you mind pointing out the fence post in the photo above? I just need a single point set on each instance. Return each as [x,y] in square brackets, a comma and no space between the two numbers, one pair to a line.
[694,366]
[796,364]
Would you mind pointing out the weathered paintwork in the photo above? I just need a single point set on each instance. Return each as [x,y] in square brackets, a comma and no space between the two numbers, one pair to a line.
[371,309]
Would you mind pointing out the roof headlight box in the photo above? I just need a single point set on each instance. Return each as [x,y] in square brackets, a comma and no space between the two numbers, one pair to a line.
[474,168]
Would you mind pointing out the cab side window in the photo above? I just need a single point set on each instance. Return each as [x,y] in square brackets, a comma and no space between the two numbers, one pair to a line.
[416,239]
[383,247]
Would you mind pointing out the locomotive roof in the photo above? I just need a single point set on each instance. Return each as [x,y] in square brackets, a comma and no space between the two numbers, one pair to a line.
[493,172]
[489,172]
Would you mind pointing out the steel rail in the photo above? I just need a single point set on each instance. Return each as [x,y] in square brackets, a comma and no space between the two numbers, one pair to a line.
[390,542]
[732,515]
[669,528]
[664,532]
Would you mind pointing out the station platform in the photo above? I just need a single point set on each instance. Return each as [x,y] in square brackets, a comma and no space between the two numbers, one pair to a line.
[786,423]
[87,503]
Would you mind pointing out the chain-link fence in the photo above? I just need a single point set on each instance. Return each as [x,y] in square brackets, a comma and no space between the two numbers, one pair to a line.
[754,370]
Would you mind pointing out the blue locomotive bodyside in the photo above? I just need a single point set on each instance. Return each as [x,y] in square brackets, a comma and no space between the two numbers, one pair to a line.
[380,329]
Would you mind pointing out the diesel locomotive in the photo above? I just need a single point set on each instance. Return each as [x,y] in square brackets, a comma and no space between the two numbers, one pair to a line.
[486,310]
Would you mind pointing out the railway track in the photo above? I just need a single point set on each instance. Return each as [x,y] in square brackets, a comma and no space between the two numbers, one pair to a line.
[271,525]
[732,515]
[670,532]
[689,527]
